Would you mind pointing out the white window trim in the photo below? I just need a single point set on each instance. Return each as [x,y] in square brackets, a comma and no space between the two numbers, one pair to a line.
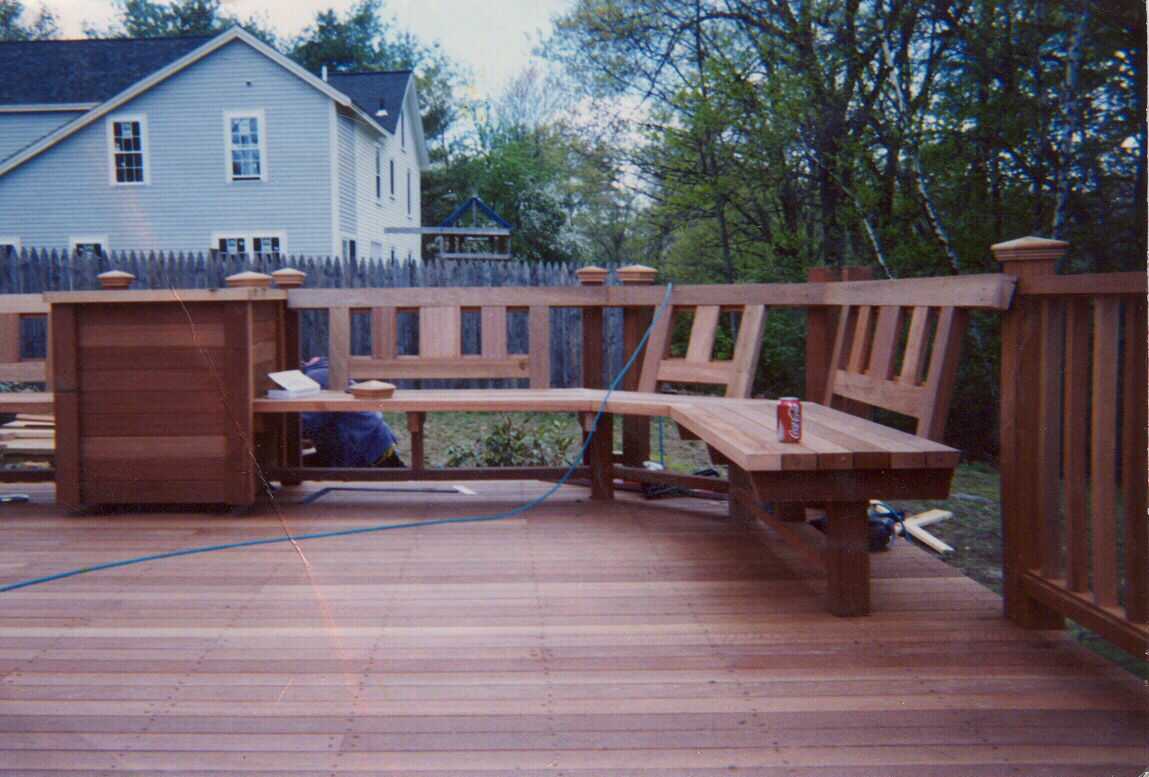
[146,148]
[391,175]
[11,240]
[402,134]
[378,173]
[75,240]
[249,235]
[258,113]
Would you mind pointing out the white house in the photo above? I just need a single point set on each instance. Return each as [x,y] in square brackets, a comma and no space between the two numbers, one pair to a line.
[191,144]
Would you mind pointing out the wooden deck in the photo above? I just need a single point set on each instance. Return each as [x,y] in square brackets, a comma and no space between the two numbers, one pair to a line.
[587,640]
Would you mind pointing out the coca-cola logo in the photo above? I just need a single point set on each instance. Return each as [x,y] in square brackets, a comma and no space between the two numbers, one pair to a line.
[795,420]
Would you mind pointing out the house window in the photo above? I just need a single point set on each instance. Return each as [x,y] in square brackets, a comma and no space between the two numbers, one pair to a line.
[246,146]
[349,250]
[391,169]
[408,194]
[88,244]
[264,245]
[378,173]
[128,150]
[9,245]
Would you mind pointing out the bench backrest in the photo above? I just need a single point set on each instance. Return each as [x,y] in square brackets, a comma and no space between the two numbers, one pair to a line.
[440,351]
[14,308]
[698,366]
[440,344]
[897,358]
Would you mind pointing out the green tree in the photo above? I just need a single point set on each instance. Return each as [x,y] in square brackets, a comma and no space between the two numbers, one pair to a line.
[363,40]
[16,25]
[178,18]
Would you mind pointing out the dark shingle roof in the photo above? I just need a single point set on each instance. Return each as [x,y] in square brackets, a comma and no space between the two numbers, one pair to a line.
[75,71]
[372,91]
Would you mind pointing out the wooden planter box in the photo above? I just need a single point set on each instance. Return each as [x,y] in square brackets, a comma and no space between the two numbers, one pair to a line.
[153,393]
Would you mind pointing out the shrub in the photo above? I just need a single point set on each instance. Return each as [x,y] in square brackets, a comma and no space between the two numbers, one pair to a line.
[515,443]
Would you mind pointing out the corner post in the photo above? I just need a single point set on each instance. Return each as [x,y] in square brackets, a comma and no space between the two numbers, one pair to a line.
[635,320]
[1020,422]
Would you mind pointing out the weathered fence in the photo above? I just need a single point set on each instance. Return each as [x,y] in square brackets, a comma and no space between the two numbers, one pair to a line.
[31,271]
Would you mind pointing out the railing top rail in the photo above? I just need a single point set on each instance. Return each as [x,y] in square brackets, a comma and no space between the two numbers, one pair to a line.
[991,291]
[1131,283]
[22,304]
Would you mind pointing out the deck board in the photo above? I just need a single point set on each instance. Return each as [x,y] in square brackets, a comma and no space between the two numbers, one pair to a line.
[590,639]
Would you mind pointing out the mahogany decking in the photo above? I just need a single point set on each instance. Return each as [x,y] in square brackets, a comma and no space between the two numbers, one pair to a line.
[588,639]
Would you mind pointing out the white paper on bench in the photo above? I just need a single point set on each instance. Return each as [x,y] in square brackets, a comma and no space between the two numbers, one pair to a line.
[292,383]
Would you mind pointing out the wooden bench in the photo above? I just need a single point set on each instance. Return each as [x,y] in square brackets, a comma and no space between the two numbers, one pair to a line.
[879,358]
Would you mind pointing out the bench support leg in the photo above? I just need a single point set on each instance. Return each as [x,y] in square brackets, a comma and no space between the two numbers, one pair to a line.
[848,559]
[791,512]
[601,456]
[291,445]
[415,427]
[741,496]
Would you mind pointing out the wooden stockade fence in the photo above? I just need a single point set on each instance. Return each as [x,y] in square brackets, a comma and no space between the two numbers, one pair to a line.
[37,270]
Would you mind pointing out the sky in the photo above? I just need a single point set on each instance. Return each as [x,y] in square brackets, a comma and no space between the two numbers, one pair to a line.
[493,38]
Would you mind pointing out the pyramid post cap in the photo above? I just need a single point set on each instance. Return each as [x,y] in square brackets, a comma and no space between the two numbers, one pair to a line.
[288,278]
[592,275]
[115,279]
[636,274]
[248,280]
[1029,248]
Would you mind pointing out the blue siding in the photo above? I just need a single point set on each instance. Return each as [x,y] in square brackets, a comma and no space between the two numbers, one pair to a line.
[18,130]
[66,191]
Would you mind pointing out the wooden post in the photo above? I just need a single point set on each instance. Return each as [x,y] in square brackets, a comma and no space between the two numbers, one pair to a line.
[292,434]
[592,331]
[415,428]
[821,329]
[635,430]
[848,559]
[1021,428]
[600,455]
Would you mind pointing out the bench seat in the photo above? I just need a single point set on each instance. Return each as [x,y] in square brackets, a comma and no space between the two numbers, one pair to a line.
[742,430]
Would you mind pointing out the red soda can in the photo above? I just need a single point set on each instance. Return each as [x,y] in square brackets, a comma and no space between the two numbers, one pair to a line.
[789,419]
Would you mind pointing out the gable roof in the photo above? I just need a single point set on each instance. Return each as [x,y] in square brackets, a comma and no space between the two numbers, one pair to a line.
[374,91]
[44,72]
[482,207]
[197,53]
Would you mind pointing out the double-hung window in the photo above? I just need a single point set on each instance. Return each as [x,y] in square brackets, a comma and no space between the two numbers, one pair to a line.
[128,150]
[268,245]
[246,133]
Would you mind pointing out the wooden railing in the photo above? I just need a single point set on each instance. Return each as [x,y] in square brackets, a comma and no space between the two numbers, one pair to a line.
[1074,372]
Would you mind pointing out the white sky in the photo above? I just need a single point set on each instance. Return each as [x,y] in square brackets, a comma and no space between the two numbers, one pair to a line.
[493,38]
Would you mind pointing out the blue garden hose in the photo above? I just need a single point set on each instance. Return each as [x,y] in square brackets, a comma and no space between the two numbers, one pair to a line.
[513,513]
